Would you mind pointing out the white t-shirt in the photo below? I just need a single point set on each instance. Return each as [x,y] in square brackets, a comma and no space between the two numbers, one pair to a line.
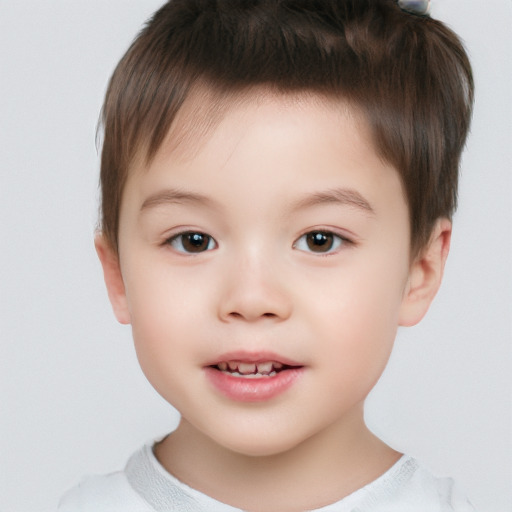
[145,486]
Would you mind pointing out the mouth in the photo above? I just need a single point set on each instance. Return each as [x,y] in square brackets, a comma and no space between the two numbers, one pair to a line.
[252,370]
[249,378]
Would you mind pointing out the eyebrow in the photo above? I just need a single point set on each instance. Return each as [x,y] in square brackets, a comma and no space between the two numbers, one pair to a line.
[340,196]
[175,196]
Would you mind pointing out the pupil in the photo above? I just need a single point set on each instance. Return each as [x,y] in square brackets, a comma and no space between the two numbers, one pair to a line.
[195,242]
[320,242]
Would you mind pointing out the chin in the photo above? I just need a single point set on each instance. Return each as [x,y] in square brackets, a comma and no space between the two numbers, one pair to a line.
[263,444]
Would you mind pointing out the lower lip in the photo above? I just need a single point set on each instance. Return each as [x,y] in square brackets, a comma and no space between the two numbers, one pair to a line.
[253,390]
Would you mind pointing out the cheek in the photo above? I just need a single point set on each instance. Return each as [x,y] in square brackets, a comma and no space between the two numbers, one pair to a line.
[357,353]
[163,342]
[362,336]
[357,315]
[163,298]
[164,312]
[364,295]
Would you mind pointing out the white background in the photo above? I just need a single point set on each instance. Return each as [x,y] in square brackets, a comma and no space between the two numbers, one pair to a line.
[72,399]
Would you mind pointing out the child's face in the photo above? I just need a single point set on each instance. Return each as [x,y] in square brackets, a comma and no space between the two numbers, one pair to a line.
[297,252]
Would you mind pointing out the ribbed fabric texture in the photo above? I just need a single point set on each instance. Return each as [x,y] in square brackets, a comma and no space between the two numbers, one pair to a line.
[145,486]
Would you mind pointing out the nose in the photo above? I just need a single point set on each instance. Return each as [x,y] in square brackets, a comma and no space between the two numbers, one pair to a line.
[252,290]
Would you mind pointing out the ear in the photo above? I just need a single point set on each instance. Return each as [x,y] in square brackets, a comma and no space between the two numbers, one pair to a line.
[425,275]
[113,278]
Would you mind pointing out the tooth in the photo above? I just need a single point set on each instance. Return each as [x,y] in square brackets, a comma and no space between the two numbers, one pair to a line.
[246,368]
[237,368]
[264,367]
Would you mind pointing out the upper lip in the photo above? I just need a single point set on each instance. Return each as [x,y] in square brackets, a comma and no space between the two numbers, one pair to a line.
[253,357]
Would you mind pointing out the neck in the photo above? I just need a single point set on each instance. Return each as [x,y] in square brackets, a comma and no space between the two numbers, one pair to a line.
[321,470]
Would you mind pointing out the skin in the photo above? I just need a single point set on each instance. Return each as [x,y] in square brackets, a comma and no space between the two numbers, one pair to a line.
[257,182]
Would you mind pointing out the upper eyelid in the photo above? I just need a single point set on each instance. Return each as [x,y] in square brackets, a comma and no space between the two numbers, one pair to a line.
[344,242]
[329,230]
[348,238]
[325,231]
[169,239]
[175,232]
[180,231]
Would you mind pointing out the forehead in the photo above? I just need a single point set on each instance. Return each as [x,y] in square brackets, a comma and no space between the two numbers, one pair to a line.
[205,109]
[281,145]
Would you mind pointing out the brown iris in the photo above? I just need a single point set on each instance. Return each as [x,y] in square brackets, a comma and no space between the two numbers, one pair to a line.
[195,242]
[319,241]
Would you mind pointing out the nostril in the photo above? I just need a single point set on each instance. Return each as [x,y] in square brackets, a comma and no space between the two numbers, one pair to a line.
[235,314]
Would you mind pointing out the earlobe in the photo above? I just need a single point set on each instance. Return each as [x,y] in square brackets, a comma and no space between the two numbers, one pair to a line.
[425,275]
[113,278]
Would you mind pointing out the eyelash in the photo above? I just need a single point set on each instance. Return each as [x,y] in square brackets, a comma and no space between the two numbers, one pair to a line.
[197,239]
[337,241]
[177,242]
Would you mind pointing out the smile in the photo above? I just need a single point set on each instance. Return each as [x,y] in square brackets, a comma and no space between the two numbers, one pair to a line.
[250,370]
[247,379]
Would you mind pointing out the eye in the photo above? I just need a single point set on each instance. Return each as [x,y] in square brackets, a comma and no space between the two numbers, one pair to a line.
[192,242]
[322,242]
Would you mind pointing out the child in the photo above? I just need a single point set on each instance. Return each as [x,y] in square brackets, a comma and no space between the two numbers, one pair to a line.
[278,179]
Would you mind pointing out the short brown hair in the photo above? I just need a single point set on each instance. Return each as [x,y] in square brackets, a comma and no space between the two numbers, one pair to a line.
[408,74]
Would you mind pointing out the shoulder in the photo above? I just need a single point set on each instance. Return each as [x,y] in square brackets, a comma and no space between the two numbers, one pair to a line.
[143,486]
[106,493]
[405,487]
[443,492]
[412,487]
